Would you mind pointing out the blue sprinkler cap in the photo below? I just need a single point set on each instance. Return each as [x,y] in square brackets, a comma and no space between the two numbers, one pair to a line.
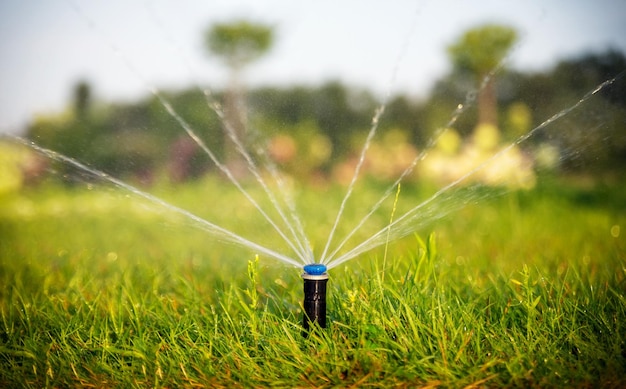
[315,269]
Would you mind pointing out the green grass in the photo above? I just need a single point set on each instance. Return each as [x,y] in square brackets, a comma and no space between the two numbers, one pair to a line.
[523,290]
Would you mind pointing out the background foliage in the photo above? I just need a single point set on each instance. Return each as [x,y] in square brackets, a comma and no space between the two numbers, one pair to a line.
[142,140]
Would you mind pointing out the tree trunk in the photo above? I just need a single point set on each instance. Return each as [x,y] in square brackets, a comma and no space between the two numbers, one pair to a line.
[487,104]
[235,115]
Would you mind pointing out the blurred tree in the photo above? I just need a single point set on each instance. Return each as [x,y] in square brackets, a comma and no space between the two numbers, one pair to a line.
[337,111]
[286,106]
[597,133]
[331,107]
[588,70]
[444,99]
[72,132]
[82,99]
[592,137]
[238,44]
[403,113]
[480,51]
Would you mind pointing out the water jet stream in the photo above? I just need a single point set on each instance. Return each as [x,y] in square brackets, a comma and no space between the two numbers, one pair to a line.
[298,234]
[295,237]
[315,276]
[224,169]
[203,224]
[469,100]
[405,224]
[303,252]
[372,132]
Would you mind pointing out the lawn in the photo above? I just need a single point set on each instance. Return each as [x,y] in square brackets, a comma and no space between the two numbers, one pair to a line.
[101,289]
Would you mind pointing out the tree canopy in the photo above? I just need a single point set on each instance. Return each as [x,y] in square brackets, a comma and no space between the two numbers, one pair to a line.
[239,43]
[481,49]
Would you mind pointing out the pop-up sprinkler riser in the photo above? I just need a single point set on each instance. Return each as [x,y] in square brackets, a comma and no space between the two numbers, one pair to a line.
[315,279]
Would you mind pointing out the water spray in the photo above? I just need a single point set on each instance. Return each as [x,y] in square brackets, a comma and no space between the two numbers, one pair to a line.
[315,279]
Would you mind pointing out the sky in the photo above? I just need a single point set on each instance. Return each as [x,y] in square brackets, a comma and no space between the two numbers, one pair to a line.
[123,48]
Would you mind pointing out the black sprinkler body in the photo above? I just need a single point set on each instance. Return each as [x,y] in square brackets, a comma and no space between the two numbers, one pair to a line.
[315,279]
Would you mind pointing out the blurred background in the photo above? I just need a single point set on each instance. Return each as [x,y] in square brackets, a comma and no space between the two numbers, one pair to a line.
[77,78]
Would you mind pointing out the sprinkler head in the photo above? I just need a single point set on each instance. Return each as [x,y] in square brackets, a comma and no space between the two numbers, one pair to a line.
[315,269]
[315,279]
